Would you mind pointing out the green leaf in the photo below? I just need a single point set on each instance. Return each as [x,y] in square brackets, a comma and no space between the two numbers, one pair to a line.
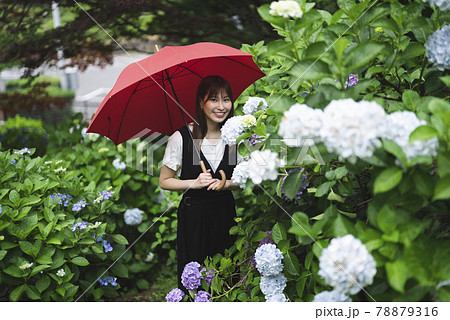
[30,200]
[42,283]
[3,254]
[292,183]
[33,293]
[39,268]
[17,292]
[308,69]
[423,133]
[393,148]
[362,54]
[324,188]
[442,189]
[120,239]
[142,284]
[80,261]
[120,270]
[30,249]
[278,232]
[397,274]
[291,264]
[14,197]
[411,99]
[387,180]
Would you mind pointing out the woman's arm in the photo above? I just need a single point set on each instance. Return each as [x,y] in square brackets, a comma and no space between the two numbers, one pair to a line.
[168,181]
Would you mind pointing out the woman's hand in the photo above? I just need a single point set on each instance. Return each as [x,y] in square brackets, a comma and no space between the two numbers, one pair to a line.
[205,180]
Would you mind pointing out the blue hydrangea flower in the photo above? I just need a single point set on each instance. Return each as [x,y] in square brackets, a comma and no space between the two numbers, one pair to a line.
[441,4]
[278,297]
[1,210]
[22,151]
[254,104]
[119,165]
[268,260]
[108,280]
[271,285]
[99,238]
[304,185]
[175,295]
[133,216]
[64,198]
[438,48]
[190,278]
[80,204]
[202,296]
[13,161]
[346,265]
[207,275]
[107,246]
[254,139]
[104,195]
[331,296]
[79,225]
[352,80]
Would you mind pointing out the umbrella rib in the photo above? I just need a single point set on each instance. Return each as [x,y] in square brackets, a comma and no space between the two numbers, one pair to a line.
[257,70]
[153,83]
[165,98]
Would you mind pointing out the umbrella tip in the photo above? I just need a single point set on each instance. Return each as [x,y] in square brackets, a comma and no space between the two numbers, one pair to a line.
[156,47]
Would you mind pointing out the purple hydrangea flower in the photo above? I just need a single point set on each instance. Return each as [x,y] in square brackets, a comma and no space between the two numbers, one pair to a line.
[202,296]
[1,210]
[108,280]
[79,225]
[190,278]
[105,194]
[64,198]
[99,238]
[107,246]
[175,295]
[267,239]
[303,186]
[254,139]
[208,275]
[80,204]
[352,80]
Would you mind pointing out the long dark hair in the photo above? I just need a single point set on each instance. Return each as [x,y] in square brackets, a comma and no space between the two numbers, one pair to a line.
[209,86]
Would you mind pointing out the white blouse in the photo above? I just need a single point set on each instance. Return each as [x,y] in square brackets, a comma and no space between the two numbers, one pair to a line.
[212,150]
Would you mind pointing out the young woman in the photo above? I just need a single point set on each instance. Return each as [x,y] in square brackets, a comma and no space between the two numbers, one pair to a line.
[205,214]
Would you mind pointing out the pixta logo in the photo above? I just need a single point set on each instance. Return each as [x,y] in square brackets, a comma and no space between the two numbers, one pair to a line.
[141,153]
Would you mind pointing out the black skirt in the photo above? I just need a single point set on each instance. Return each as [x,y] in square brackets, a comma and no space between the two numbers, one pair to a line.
[204,217]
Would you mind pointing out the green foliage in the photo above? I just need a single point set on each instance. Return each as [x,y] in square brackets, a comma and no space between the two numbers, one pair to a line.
[19,132]
[397,208]
[43,257]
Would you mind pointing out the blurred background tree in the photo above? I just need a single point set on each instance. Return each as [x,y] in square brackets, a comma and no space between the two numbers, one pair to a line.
[28,37]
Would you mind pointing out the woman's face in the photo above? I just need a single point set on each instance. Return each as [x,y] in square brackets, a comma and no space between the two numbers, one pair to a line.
[217,107]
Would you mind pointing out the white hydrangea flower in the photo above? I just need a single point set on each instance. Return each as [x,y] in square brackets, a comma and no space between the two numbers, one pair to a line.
[232,129]
[264,165]
[346,265]
[26,266]
[301,125]
[119,165]
[61,273]
[253,104]
[248,121]
[133,216]
[441,4]
[103,150]
[438,48]
[149,257]
[279,297]
[96,225]
[286,9]
[331,296]
[271,285]
[241,174]
[268,260]
[400,126]
[353,128]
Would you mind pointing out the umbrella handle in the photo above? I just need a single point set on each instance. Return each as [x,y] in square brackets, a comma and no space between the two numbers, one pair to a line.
[222,174]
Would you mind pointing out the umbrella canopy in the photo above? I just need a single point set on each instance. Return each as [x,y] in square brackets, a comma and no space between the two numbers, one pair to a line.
[144,97]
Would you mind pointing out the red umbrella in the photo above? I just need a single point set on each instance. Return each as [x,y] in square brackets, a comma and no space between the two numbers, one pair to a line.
[144,97]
